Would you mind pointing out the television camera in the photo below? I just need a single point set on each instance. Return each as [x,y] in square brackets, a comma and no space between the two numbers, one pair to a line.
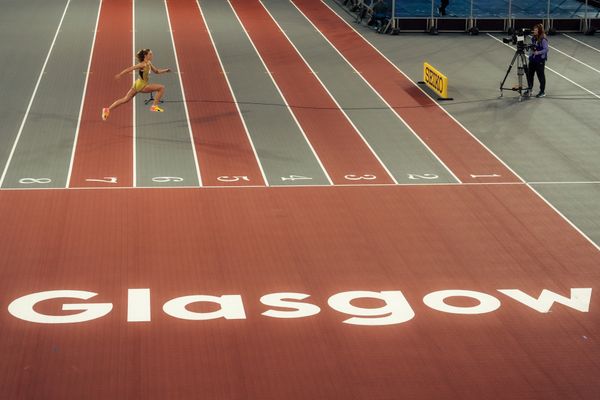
[518,39]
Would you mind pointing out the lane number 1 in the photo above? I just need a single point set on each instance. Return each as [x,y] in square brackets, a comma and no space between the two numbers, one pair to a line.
[486,176]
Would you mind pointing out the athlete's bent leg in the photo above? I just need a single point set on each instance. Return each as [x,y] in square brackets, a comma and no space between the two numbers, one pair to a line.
[155,87]
[160,90]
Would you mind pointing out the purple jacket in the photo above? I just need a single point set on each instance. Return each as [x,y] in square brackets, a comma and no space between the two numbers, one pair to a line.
[541,48]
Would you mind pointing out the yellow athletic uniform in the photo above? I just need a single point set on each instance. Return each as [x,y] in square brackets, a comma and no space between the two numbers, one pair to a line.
[141,82]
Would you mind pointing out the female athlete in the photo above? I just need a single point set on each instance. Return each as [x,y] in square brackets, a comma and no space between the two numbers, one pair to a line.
[141,84]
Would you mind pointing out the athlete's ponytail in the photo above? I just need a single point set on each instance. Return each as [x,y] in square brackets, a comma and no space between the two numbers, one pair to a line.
[140,55]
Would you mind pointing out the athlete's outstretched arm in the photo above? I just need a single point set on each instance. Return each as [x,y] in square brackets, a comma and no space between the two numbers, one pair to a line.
[158,70]
[128,70]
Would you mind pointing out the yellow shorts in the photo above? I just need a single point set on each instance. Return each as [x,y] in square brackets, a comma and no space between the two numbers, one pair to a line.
[139,84]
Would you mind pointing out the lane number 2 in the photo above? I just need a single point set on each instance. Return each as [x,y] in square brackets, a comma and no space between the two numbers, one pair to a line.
[424,176]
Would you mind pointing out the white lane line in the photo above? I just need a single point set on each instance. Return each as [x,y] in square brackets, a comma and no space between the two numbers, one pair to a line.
[331,96]
[574,59]
[87,77]
[427,184]
[581,42]
[551,70]
[282,96]
[134,101]
[375,91]
[566,183]
[187,114]
[564,217]
[484,146]
[426,94]
[237,106]
[14,147]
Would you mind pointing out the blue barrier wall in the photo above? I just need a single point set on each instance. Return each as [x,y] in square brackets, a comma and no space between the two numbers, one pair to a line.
[496,9]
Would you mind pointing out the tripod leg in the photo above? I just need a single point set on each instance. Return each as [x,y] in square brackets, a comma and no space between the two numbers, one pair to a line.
[149,99]
[520,72]
[526,69]
[508,72]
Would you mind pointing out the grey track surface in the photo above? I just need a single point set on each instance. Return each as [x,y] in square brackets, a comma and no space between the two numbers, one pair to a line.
[551,139]
[593,41]
[20,64]
[163,143]
[392,141]
[281,147]
[44,148]
[587,75]
[579,202]
[555,139]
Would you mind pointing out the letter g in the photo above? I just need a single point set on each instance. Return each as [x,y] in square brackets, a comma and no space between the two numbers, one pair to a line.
[22,307]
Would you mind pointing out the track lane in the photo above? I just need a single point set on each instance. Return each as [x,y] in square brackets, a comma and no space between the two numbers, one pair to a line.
[467,158]
[345,155]
[21,65]
[225,152]
[104,150]
[286,155]
[164,153]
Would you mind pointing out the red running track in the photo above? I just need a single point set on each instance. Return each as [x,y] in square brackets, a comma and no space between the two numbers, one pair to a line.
[105,149]
[464,155]
[220,138]
[317,241]
[337,143]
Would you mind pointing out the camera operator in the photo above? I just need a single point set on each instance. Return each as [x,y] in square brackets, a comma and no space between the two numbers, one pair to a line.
[537,60]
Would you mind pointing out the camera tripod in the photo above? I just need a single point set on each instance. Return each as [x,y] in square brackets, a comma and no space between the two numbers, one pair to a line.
[522,69]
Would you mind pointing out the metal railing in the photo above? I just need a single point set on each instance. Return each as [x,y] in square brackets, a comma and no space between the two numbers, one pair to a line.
[564,15]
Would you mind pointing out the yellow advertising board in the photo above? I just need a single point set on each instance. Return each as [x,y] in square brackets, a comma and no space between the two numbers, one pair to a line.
[437,81]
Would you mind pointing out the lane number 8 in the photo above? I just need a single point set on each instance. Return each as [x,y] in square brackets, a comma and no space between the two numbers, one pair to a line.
[30,181]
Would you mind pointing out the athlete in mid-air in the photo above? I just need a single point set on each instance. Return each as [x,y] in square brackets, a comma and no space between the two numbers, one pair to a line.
[141,84]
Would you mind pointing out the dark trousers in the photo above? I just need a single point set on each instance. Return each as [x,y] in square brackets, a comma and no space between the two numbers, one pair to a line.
[443,6]
[537,68]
